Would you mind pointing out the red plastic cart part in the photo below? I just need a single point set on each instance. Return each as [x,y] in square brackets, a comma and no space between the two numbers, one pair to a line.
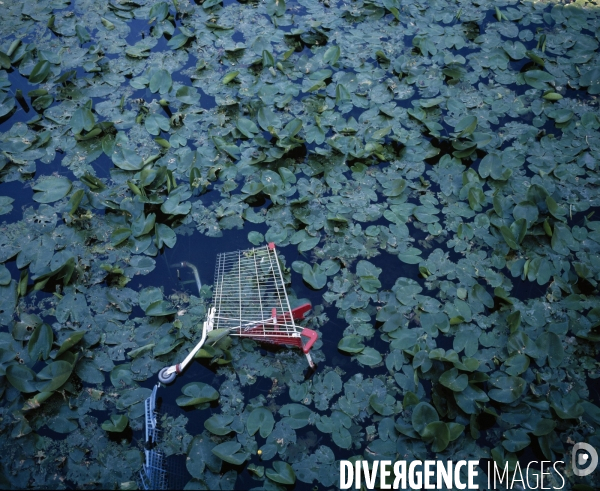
[312,337]
[298,312]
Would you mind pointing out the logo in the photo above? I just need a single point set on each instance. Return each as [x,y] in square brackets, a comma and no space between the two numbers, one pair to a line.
[581,454]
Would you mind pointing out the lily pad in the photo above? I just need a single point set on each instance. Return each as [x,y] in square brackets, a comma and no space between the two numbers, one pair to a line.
[54,375]
[351,344]
[196,393]
[116,424]
[5,204]
[218,424]
[51,189]
[281,473]
[369,356]
[260,419]
[229,452]
[40,343]
[21,377]
[200,457]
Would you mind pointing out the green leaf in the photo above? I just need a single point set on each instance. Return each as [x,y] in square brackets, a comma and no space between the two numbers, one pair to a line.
[229,77]
[515,50]
[438,434]
[308,244]
[160,308]
[480,294]
[332,55]
[538,79]
[5,205]
[260,419]
[119,236]
[514,320]
[40,343]
[36,401]
[5,276]
[527,210]
[454,381]
[75,201]
[549,345]
[134,353]
[561,116]
[4,61]
[178,41]
[155,123]
[121,375]
[127,159]
[434,322]
[369,356]
[40,71]
[106,23]
[509,237]
[256,238]
[412,255]
[395,187]
[516,440]
[423,414]
[196,393]
[164,236]
[562,239]
[591,80]
[281,473]
[314,276]
[467,399]
[229,452]
[508,390]
[160,82]
[267,118]
[247,127]
[295,415]
[116,424]
[187,95]
[466,126]
[82,34]
[82,119]
[54,375]
[351,344]
[21,377]
[159,11]
[218,424]
[51,189]
[200,457]
[71,341]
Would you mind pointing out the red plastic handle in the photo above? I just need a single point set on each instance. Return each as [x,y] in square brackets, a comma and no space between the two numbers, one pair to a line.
[312,338]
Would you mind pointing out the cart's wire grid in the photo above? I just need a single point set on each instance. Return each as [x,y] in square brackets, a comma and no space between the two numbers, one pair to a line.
[158,472]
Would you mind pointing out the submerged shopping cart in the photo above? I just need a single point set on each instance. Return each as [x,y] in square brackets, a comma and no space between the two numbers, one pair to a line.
[250,300]
[159,471]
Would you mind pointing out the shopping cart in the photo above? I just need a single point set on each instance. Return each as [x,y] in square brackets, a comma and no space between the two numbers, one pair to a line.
[153,474]
[250,300]
[159,471]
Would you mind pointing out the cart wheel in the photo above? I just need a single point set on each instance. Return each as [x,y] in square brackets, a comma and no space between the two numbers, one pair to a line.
[166,378]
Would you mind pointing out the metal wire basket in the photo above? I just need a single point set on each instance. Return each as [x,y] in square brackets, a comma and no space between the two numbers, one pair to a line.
[158,471]
[153,474]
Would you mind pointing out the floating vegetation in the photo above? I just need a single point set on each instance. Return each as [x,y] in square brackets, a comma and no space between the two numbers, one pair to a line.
[430,169]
